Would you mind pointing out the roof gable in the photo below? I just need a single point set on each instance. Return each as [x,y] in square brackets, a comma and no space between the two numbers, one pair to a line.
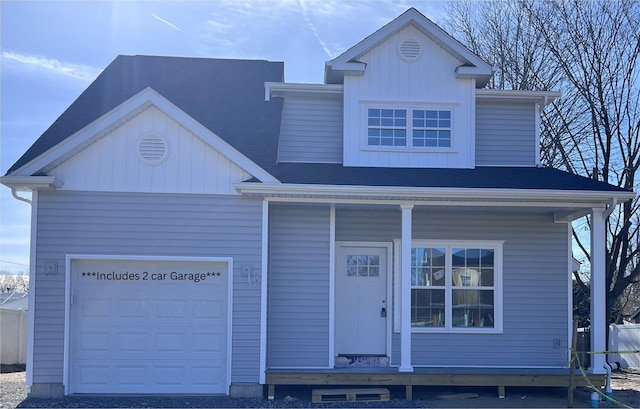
[219,94]
[105,124]
[471,66]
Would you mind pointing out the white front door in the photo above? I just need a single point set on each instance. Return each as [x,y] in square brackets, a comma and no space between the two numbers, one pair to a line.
[362,307]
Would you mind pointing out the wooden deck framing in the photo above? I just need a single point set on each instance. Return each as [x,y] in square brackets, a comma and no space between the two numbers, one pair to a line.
[350,395]
[409,379]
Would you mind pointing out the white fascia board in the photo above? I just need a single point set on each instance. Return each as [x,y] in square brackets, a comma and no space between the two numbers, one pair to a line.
[284,89]
[541,97]
[528,197]
[30,183]
[125,111]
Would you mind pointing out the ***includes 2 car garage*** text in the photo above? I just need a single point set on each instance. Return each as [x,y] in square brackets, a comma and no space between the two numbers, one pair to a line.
[146,276]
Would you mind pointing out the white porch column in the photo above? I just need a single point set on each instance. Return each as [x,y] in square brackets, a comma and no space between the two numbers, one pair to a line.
[598,290]
[263,291]
[405,274]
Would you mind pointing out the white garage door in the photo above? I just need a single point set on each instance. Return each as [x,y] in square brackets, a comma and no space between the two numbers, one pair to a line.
[149,326]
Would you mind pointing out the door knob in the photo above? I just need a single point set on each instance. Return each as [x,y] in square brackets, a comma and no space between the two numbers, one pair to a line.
[383,312]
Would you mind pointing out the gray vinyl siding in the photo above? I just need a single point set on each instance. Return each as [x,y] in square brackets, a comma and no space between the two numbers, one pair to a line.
[298,321]
[311,130]
[145,224]
[505,134]
[535,285]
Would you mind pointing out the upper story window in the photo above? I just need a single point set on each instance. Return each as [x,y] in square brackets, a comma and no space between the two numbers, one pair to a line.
[432,128]
[427,128]
[387,127]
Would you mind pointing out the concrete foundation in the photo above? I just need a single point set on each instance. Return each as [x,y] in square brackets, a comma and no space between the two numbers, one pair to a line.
[46,390]
[246,390]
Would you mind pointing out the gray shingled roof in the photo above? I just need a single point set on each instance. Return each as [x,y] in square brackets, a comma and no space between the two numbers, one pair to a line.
[478,178]
[226,96]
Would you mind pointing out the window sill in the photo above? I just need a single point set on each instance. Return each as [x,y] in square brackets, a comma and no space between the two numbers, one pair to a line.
[469,330]
[404,149]
[461,330]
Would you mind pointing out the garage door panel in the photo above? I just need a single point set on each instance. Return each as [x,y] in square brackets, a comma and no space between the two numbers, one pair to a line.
[95,341]
[171,342]
[132,374]
[205,375]
[93,373]
[207,309]
[130,341]
[208,342]
[132,307]
[95,307]
[149,336]
[171,309]
[150,377]
[170,374]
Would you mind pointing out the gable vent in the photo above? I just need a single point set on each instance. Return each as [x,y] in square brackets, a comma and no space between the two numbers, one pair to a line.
[409,50]
[153,149]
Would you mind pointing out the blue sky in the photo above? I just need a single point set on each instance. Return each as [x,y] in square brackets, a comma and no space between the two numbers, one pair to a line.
[52,50]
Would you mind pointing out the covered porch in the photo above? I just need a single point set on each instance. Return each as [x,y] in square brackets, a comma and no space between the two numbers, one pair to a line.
[422,356]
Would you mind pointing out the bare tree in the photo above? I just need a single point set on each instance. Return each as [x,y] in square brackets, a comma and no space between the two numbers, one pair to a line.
[589,51]
[10,283]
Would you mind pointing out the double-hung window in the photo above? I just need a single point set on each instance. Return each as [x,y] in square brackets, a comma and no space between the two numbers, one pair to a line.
[387,127]
[456,286]
[408,128]
[431,128]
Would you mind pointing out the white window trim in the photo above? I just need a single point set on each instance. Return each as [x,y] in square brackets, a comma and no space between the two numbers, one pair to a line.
[496,245]
[409,107]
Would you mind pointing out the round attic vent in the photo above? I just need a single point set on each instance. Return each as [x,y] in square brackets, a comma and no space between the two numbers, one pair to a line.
[409,50]
[153,149]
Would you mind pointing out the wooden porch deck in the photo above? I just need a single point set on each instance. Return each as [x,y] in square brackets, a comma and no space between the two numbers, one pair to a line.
[499,377]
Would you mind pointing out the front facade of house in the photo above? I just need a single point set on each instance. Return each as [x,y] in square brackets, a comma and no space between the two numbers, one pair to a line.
[189,236]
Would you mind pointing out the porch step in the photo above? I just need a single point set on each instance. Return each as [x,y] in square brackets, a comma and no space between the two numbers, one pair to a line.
[350,395]
[361,361]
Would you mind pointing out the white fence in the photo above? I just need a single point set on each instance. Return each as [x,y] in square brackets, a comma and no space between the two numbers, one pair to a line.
[625,338]
[13,336]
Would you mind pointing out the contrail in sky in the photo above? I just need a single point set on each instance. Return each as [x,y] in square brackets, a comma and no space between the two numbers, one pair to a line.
[313,29]
[81,72]
[167,23]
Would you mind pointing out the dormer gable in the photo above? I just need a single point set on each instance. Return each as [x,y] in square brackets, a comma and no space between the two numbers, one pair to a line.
[349,62]
[409,97]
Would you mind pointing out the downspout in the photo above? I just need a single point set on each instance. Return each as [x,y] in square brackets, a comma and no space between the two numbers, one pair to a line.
[607,365]
[14,193]
[608,391]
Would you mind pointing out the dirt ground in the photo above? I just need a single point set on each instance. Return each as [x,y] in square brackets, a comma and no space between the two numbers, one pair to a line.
[626,390]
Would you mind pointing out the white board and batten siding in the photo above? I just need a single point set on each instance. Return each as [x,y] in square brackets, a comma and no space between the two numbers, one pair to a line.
[428,83]
[114,162]
[505,134]
[149,225]
[311,130]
